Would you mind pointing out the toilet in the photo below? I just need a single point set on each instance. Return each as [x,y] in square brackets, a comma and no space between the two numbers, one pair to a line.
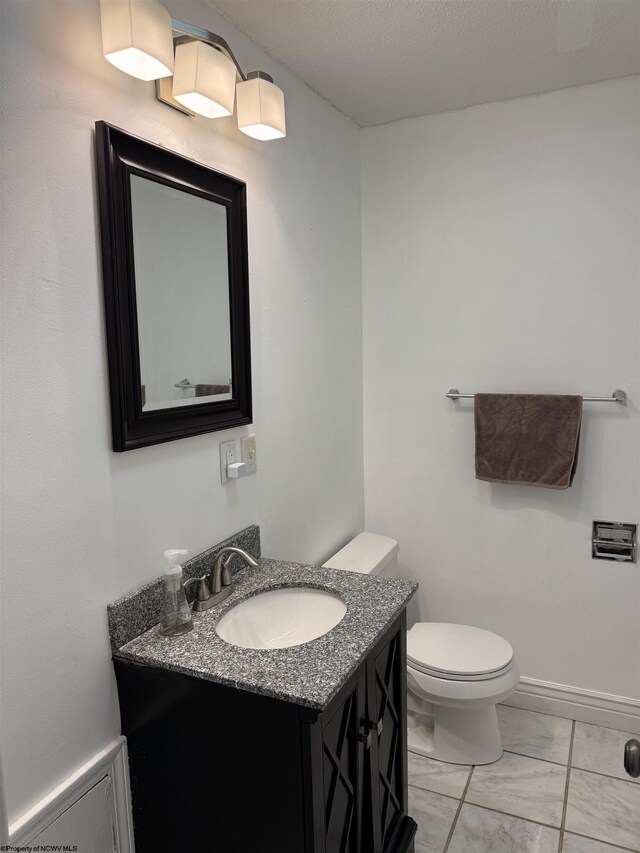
[456,674]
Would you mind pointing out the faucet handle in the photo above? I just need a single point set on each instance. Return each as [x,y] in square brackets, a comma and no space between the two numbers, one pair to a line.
[203,593]
[226,574]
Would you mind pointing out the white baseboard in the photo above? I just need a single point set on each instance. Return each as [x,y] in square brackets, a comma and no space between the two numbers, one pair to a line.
[576,703]
[112,761]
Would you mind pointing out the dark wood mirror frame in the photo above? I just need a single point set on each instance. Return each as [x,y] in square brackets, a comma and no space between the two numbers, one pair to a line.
[120,155]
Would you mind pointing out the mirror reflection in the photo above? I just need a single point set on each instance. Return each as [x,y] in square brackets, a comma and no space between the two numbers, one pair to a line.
[182,296]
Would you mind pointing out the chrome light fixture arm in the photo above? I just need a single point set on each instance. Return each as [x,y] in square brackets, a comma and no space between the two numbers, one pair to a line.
[189,32]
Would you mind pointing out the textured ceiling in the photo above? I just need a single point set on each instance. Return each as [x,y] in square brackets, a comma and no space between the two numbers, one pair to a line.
[382,60]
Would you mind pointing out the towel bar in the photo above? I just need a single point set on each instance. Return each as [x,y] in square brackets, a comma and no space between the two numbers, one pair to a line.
[618,396]
[185,383]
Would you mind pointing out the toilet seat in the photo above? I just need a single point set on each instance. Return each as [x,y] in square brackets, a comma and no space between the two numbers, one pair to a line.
[457,652]
[453,676]
[459,693]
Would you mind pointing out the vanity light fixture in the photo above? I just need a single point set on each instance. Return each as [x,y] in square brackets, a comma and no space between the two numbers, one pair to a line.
[139,37]
[204,79]
[260,107]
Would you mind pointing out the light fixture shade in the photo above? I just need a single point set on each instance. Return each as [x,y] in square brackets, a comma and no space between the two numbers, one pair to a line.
[137,37]
[204,80]
[261,109]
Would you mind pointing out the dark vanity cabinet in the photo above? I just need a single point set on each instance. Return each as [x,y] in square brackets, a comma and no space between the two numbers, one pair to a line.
[218,769]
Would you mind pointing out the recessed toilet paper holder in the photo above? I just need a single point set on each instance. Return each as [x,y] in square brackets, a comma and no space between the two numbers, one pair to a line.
[613,540]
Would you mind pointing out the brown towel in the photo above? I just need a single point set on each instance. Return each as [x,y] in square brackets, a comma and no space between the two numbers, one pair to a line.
[208,390]
[527,439]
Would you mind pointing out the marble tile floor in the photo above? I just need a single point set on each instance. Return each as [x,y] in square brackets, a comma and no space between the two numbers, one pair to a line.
[559,787]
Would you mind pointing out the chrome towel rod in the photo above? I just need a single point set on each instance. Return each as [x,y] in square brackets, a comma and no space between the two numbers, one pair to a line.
[618,396]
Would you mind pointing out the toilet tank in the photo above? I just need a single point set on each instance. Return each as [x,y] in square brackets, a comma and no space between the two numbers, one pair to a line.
[368,553]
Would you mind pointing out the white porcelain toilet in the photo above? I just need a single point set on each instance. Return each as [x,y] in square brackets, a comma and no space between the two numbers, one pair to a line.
[456,674]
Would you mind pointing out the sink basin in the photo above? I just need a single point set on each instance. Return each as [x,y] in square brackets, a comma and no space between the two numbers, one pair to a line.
[280,618]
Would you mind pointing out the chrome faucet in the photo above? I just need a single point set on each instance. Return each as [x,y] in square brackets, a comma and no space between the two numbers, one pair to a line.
[221,576]
[220,586]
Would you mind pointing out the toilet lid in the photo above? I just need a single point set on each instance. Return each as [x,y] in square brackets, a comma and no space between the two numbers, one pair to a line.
[457,651]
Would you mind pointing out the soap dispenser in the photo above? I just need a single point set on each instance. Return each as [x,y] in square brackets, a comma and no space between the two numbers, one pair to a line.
[176,617]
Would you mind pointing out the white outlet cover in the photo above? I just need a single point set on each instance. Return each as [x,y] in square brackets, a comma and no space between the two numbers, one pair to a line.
[227,456]
[249,454]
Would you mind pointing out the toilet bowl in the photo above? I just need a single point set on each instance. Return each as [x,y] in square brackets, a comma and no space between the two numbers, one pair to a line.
[456,674]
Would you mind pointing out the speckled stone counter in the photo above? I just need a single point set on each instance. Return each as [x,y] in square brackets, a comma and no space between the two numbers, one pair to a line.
[310,674]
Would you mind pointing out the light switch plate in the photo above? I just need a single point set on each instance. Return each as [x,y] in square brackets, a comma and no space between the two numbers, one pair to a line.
[227,456]
[249,455]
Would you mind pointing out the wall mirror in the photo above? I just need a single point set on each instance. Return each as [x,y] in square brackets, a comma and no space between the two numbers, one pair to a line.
[175,269]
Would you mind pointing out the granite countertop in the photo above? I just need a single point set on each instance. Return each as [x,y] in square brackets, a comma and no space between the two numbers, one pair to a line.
[310,674]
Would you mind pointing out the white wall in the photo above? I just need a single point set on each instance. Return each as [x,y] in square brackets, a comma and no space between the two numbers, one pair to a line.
[501,253]
[80,524]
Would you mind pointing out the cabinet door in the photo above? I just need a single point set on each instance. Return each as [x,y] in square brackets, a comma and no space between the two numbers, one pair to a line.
[386,695]
[342,763]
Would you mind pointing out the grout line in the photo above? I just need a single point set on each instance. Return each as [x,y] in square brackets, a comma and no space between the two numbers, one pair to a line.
[573,766]
[546,761]
[535,757]
[547,825]
[540,713]
[605,775]
[566,788]
[511,814]
[457,815]
[466,787]
[606,843]
[427,790]
[613,729]
[557,716]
